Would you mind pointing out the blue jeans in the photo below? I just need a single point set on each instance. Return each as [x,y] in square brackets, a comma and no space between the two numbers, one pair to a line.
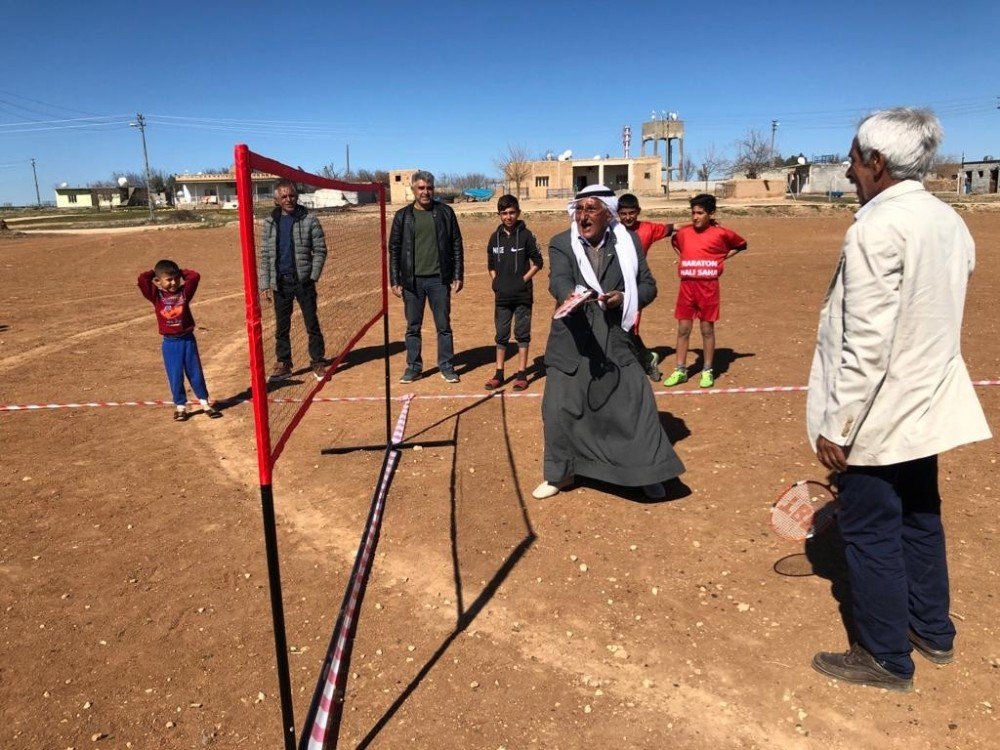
[890,520]
[438,294]
[180,358]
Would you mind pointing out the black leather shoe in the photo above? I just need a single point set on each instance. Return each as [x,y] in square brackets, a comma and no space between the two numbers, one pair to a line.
[859,667]
[931,654]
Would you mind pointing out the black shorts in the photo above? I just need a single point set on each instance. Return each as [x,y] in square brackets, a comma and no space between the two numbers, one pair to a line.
[521,315]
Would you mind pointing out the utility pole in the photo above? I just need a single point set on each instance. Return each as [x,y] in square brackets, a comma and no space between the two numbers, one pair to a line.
[38,196]
[347,174]
[140,122]
[774,128]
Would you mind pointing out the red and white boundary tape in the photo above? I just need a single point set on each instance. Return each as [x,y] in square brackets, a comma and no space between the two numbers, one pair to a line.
[442,396]
[319,733]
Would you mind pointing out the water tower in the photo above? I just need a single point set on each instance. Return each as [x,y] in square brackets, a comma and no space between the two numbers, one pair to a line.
[667,127]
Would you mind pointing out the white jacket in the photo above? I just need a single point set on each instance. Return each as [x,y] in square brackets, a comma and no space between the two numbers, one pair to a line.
[888,381]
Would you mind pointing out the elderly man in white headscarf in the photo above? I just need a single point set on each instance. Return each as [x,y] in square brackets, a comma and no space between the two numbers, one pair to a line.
[598,410]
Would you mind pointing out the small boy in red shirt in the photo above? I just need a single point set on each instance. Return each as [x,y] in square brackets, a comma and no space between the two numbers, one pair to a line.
[703,248]
[171,290]
[648,232]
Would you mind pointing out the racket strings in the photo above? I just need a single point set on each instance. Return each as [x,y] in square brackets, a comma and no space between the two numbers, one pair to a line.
[803,510]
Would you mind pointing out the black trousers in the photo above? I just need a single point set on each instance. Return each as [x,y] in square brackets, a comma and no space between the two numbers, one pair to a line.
[890,520]
[292,290]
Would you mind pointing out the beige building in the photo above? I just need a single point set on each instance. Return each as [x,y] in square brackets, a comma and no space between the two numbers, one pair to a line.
[100,197]
[554,178]
[400,190]
[562,178]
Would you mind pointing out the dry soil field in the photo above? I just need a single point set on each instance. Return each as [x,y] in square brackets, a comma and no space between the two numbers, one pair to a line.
[134,609]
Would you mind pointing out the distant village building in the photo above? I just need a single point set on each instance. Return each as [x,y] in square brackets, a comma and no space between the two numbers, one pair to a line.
[100,197]
[819,178]
[563,177]
[400,190]
[980,177]
[219,189]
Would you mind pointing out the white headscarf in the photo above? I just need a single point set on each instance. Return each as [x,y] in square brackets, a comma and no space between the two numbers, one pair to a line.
[627,256]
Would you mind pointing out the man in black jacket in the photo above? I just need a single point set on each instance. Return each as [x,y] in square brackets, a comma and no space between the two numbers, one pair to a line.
[426,263]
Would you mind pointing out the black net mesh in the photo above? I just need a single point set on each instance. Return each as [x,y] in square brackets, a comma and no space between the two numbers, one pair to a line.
[308,324]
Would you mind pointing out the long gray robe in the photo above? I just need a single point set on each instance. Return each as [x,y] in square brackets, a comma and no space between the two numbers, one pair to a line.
[599,414]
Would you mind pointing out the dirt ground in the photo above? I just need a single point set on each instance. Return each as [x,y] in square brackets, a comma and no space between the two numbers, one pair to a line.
[134,590]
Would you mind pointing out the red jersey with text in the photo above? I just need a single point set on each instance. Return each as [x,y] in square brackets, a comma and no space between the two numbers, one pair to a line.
[649,232]
[702,253]
[173,311]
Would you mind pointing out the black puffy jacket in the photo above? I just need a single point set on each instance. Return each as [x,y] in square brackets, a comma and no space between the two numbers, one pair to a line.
[401,243]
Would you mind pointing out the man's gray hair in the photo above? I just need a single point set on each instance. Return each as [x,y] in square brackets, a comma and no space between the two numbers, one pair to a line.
[285,183]
[906,137]
[422,174]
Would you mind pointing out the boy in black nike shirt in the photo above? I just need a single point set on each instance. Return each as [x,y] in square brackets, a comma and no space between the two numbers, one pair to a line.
[512,258]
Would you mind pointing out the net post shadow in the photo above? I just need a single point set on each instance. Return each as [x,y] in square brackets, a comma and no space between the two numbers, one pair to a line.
[465,617]
[388,470]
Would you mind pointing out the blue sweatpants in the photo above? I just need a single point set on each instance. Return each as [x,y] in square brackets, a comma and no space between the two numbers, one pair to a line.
[180,358]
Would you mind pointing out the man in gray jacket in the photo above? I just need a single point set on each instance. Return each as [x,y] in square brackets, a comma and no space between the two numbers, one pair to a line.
[289,265]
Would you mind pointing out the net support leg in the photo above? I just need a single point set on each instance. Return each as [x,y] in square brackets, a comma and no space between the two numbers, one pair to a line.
[278,616]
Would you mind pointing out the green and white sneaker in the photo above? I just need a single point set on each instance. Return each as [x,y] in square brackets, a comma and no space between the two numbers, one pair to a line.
[707,379]
[677,377]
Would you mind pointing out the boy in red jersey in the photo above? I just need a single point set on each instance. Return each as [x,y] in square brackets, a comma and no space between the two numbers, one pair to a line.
[171,290]
[703,248]
[648,233]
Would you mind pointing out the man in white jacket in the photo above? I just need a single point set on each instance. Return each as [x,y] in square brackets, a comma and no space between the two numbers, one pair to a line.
[889,391]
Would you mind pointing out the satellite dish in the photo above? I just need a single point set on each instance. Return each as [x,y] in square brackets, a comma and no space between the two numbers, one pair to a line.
[63,184]
[801,160]
[122,182]
[565,155]
[596,156]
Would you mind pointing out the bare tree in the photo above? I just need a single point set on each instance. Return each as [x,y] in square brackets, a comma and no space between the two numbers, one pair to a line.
[462,182]
[514,165]
[330,172]
[946,166]
[686,168]
[373,175]
[712,163]
[753,154]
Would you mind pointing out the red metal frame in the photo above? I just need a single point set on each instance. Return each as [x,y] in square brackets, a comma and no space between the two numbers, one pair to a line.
[246,162]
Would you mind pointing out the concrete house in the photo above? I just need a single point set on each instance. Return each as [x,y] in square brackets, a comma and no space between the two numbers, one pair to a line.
[980,177]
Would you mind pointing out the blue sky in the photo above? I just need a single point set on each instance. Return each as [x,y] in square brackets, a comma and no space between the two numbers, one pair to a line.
[446,86]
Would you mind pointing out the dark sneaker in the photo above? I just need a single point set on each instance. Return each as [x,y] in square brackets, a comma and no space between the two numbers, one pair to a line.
[493,383]
[652,367]
[859,667]
[410,375]
[450,376]
[318,369]
[520,383]
[281,371]
[213,413]
[181,415]
[926,650]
